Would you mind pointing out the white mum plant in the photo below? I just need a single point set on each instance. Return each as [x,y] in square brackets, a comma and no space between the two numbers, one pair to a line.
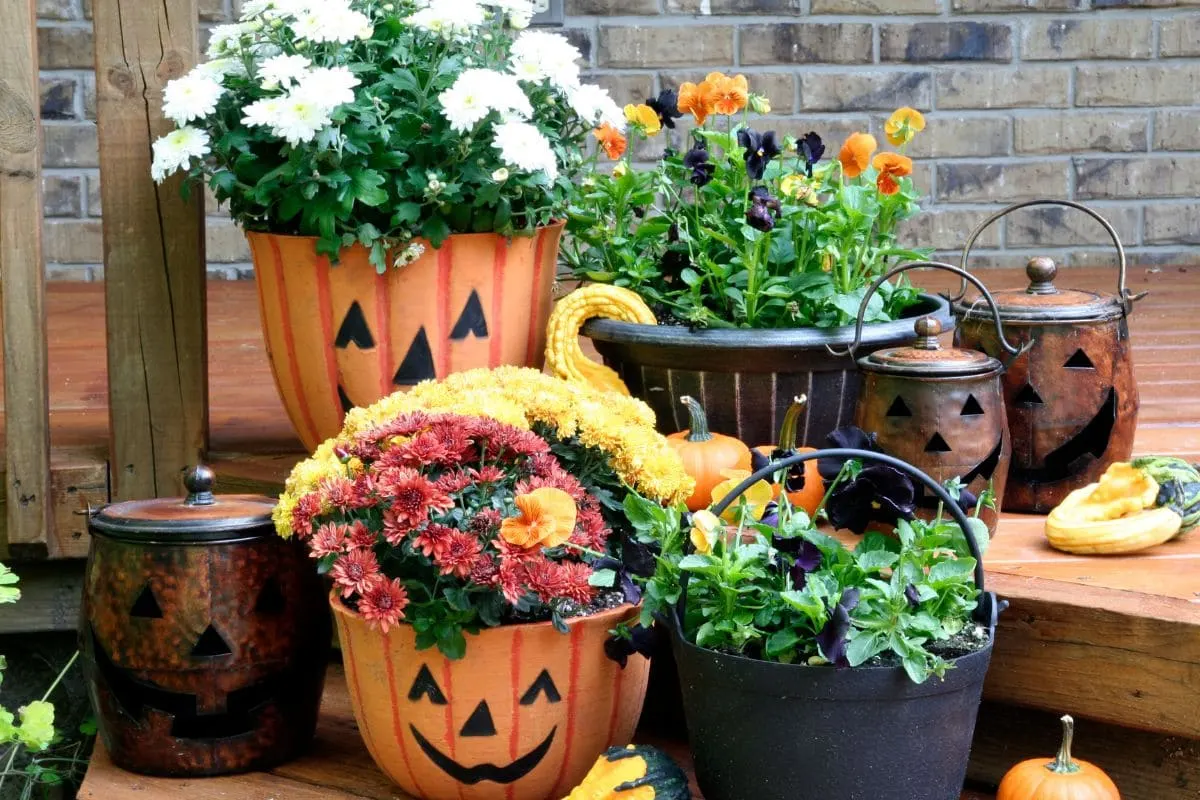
[383,122]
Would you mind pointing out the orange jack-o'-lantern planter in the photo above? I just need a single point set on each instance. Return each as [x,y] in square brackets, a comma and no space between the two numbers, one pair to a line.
[342,335]
[522,716]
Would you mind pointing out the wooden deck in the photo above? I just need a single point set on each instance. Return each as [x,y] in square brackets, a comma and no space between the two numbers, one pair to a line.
[1113,640]
[338,767]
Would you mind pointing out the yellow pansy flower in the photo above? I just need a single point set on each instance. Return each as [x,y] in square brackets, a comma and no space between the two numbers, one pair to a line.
[644,117]
[903,125]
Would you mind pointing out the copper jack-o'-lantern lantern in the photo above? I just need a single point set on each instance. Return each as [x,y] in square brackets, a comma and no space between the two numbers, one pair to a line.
[1072,402]
[940,410]
[205,637]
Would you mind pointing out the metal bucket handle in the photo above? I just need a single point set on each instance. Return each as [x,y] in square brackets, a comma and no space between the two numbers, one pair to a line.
[965,276]
[988,609]
[1126,297]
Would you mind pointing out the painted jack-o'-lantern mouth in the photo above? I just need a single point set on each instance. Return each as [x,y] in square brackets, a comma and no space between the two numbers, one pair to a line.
[136,698]
[480,724]
[469,776]
[1075,455]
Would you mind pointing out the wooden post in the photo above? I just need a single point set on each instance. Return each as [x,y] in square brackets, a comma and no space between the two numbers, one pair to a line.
[153,252]
[23,282]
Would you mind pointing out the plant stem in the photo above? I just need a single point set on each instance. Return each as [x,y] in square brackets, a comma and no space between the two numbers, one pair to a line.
[1062,764]
[12,755]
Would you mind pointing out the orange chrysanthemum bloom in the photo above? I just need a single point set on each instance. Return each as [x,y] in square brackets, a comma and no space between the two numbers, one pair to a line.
[547,519]
[612,141]
[728,95]
[696,99]
[903,125]
[891,166]
[856,154]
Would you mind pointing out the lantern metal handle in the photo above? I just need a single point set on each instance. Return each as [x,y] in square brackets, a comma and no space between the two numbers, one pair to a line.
[1127,299]
[965,276]
[988,609]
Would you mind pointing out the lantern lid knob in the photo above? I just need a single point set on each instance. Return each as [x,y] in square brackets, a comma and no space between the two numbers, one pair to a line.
[198,481]
[928,328]
[1041,271]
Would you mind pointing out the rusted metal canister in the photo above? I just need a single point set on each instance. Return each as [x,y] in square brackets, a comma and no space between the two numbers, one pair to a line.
[1072,401]
[940,410]
[205,637]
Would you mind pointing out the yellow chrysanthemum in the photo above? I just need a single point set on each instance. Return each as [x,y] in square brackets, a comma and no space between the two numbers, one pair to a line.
[903,125]
[620,427]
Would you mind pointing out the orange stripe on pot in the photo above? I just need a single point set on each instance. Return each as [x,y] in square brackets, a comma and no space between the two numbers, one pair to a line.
[448,689]
[535,316]
[577,631]
[397,725]
[495,349]
[445,265]
[308,426]
[383,312]
[514,737]
[325,309]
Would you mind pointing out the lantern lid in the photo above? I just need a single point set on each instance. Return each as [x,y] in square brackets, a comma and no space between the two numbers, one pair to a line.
[199,518]
[925,357]
[1042,301]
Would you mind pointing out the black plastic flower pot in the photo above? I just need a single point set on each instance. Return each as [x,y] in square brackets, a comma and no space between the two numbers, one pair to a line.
[746,379]
[767,731]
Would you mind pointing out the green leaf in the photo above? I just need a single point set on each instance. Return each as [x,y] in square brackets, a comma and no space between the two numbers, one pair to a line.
[864,646]
[8,591]
[37,725]
[454,645]
[366,187]
[435,230]
[781,642]
[876,560]
[603,577]
[951,571]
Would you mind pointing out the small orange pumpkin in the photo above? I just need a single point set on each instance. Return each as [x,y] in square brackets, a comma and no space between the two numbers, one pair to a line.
[705,454]
[1064,778]
[810,495]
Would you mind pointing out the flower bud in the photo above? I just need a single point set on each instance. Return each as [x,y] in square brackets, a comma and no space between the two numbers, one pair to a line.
[760,104]
[500,175]
[620,170]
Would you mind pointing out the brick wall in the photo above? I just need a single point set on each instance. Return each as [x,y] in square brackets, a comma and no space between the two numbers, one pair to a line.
[1097,100]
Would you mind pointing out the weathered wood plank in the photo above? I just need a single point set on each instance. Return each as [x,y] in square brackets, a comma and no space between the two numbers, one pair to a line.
[23,282]
[77,479]
[153,252]
[50,595]
[1145,766]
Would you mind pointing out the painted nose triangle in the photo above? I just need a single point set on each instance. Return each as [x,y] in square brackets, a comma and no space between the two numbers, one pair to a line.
[1029,397]
[937,445]
[480,722]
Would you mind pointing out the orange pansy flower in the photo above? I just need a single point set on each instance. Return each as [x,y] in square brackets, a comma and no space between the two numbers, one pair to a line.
[856,154]
[547,519]
[728,95]
[891,166]
[696,99]
[612,141]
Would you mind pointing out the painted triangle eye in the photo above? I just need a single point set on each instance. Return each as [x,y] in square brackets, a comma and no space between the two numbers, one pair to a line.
[971,408]
[899,408]
[426,686]
[543,685]
[146,606]
[1079,360]
[355,329]
[472,321]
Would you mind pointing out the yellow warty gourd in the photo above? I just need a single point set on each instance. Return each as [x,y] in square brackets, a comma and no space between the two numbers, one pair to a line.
[1120,514]
[565,357]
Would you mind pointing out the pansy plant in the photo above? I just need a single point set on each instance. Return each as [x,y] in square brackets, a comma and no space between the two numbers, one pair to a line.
[765,231]
[780,589]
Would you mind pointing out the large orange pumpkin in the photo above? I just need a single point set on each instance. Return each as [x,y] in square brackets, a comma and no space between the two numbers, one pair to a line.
[340,336]
[706,455]
[522,716]
[1058,778]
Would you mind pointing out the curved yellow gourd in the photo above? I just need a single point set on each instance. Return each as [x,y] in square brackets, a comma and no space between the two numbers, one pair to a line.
[1117,515]
[565,357]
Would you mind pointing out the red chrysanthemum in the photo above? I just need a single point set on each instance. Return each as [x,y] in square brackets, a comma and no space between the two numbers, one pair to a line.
[353,571]
[574,577]
[413,497]
[454,437]
[455,553]
[564,482]
[382,604]
[307,507]
[428,540]
[484,571]
[338,493]
[364,492]
[590,529]
[485,522]
[455,481]
[515,553]
[511,580]
[489,473]
[329,539]
[361,537]
[545,578]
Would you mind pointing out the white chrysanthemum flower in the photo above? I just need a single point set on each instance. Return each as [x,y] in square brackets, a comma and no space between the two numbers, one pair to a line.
[330,86]
[176,150]
[596,105]
[282,70]
[332,21]
[449,19]
[518,12]
[523,146]
[255,8]
[225,39]
[300,118]
[541,56]
[218,68]
[262,113]
[476,92]
[193,96]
